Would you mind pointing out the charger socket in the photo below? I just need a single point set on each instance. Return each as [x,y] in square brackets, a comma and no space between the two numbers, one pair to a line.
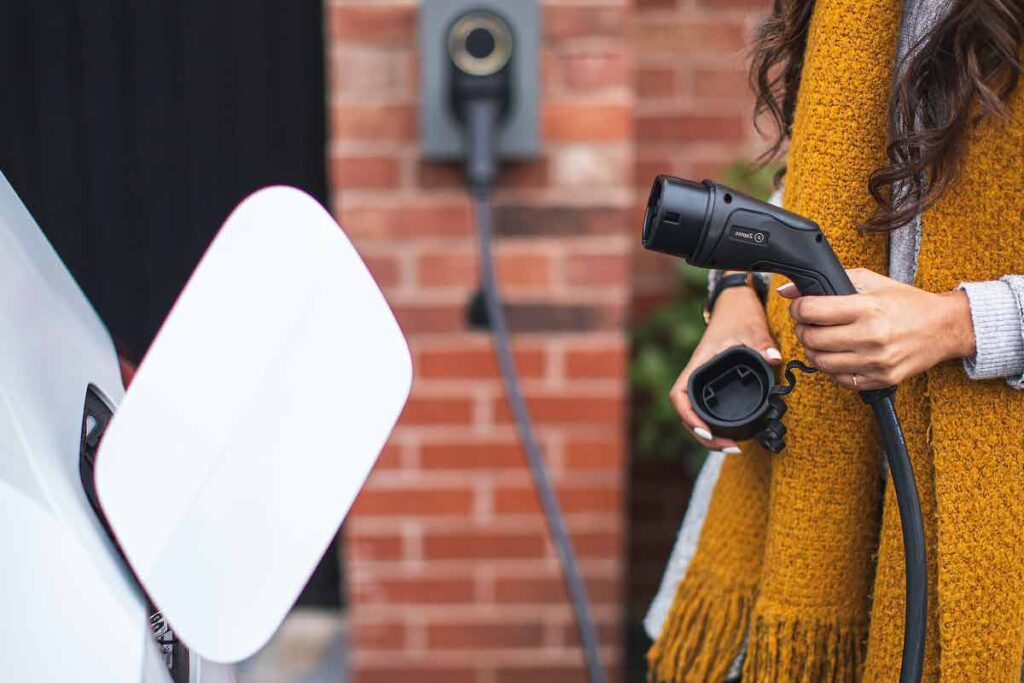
[442,135]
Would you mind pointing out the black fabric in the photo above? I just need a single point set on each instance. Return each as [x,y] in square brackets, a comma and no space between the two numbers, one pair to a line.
[130,129]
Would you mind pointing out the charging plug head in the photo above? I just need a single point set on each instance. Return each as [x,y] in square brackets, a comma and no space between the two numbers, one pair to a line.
[676,217]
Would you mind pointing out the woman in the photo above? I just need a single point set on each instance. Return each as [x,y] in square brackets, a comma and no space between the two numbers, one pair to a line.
[905,129]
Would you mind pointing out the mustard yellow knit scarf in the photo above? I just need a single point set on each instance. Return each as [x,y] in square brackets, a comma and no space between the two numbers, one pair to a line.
[801,555]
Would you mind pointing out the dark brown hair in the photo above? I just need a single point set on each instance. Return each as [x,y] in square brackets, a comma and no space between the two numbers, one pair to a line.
[960,72]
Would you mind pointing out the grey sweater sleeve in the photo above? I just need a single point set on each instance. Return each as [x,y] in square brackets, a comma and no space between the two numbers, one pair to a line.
[997,311]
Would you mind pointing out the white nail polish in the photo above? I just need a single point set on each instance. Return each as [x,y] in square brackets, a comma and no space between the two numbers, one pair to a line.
[773,353]
[784,288]
[703,433]
[732,450]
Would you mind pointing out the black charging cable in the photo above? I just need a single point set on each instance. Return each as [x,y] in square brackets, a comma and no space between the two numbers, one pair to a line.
[482,118]
[772,438]
[902,473]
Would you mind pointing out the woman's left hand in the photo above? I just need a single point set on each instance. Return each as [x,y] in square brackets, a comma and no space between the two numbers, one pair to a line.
[884,334]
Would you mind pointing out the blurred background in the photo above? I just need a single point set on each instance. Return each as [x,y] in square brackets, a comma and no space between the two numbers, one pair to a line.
[132,129]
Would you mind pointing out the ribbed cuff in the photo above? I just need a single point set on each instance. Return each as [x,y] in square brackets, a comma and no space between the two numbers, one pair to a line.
[998,318]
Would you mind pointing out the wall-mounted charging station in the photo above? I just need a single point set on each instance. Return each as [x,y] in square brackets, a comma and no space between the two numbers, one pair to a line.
[479,100]
[479,38]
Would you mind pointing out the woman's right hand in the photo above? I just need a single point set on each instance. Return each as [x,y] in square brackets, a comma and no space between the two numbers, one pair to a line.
[738,318]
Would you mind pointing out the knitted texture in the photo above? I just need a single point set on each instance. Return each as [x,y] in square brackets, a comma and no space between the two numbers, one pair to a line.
[710,614]
[801,553]
[974,232]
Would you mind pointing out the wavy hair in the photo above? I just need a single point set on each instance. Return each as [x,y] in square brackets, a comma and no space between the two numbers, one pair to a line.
[959,73]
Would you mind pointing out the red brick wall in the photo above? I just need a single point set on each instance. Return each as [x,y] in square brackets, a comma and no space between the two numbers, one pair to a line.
[693,106]
[451,576]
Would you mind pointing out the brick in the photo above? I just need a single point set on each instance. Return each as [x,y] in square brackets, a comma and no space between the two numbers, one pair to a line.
[371,72]
[377,673]
[427,318]
[523,269]
[402,502]
[692,128]
[593,455]
[567,408]
[722,4]
[483,544]
[350,172]
[595,70]
[419,591]
[378,636]
[373,547]
[551,590]
[597,269]
[462,269]
[472,455]
[644,174]
[437,410]
[390,458]
[598,544]
[532,174]
[390,24]
[561,318]
[385,269]
[608,363]
[517,220]
[448,218]
[522,499]
[576,21]
[570,122]
[685,38]
[546,673]
[588,167]
[712,83]
[607,634]
[485,636]
[476,363]
[654,83]
[450,176]
[363,122]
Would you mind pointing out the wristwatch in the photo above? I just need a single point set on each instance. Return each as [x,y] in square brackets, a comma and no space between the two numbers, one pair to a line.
[734,280]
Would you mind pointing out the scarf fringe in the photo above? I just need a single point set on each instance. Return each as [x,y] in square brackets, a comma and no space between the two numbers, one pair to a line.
[703,633]
[789,651]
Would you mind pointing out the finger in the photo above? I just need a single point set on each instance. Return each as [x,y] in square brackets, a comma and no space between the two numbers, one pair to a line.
[842,363]
[788,291]
[711,442]
[696,426]
[827,310]
[859,382]
[771,354]
[681,402]
[865,280]
[832,338]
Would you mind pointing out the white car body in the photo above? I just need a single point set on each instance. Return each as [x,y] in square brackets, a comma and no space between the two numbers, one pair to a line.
[228,466]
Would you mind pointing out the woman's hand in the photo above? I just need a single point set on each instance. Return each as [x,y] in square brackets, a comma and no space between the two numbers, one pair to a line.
[884,334]
[738,319]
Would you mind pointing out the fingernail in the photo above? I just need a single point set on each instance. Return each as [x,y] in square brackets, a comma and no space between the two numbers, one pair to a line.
[773,353]
[732,450]
[703,433]
[784,288]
